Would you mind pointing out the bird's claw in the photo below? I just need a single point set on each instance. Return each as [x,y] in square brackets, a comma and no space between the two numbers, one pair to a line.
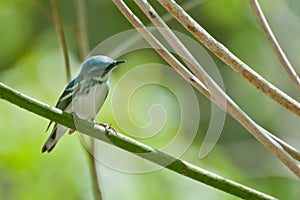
[109,128]
[74,116]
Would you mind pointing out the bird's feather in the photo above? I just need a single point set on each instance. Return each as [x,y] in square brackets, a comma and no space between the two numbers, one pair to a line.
[66,97]
[55,135]
[63,103]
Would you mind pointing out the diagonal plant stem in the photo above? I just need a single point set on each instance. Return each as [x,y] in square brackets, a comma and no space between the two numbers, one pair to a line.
[61,36]
[93,168]
[82,36]
[148,153]
[188,5]
[82,41]
[291,150]
[84,49]
[166,17]
[288,148]
[161,50]
[274,43]
[229,58]
[171,38]
[195,67]
[218,96]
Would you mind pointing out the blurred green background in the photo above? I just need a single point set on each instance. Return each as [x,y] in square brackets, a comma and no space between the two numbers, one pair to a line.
[32,62]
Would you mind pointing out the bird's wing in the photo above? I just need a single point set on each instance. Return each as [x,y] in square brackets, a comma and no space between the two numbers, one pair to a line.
[66,97]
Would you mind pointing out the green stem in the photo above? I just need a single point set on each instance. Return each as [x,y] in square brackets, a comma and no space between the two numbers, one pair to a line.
[81,34]
[93,169]
[61,36]
[99,132]
[84,49]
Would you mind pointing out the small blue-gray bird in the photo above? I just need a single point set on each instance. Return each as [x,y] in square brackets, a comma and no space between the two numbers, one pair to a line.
[84,95]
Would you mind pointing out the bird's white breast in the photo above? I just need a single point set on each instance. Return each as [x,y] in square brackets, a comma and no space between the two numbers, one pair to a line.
[88,105]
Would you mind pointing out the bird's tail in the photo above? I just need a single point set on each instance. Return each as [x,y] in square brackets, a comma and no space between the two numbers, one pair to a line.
[57,132]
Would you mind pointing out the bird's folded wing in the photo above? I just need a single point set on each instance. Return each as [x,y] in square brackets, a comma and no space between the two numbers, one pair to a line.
[66,97]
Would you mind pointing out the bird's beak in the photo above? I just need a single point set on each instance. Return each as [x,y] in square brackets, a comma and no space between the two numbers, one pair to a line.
[119,62]
[115,63]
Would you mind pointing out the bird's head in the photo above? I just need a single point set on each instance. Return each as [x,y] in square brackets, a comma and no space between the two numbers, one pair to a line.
[98,67]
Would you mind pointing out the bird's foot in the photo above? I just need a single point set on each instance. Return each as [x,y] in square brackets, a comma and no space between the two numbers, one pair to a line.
[74,116]
[108,128]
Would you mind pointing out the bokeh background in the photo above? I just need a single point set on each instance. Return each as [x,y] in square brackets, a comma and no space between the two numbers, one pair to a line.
[32,62]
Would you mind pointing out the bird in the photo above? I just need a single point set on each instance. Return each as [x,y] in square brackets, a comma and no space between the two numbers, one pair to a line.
[84,95]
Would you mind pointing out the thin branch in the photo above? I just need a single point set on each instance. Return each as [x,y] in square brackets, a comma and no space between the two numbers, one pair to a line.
[99,132]
[84,49]
[289,149]
[216,95]
[82,36]
[229,58]
[61,36]
[186,6]
[195,67]
[171,38]
[166,17]
[93,169]
[83,52]
[274,43]
[160,48]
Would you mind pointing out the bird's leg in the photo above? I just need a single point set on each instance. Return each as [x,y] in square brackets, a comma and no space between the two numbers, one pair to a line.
[108,127]
[74,116]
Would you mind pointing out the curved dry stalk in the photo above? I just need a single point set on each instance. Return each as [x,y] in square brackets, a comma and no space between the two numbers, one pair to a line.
[274,43]
[158,47]
[218,94]
[289,149]
[166,17]
[192,63]
[229,58]
[186,6]
[171,38]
